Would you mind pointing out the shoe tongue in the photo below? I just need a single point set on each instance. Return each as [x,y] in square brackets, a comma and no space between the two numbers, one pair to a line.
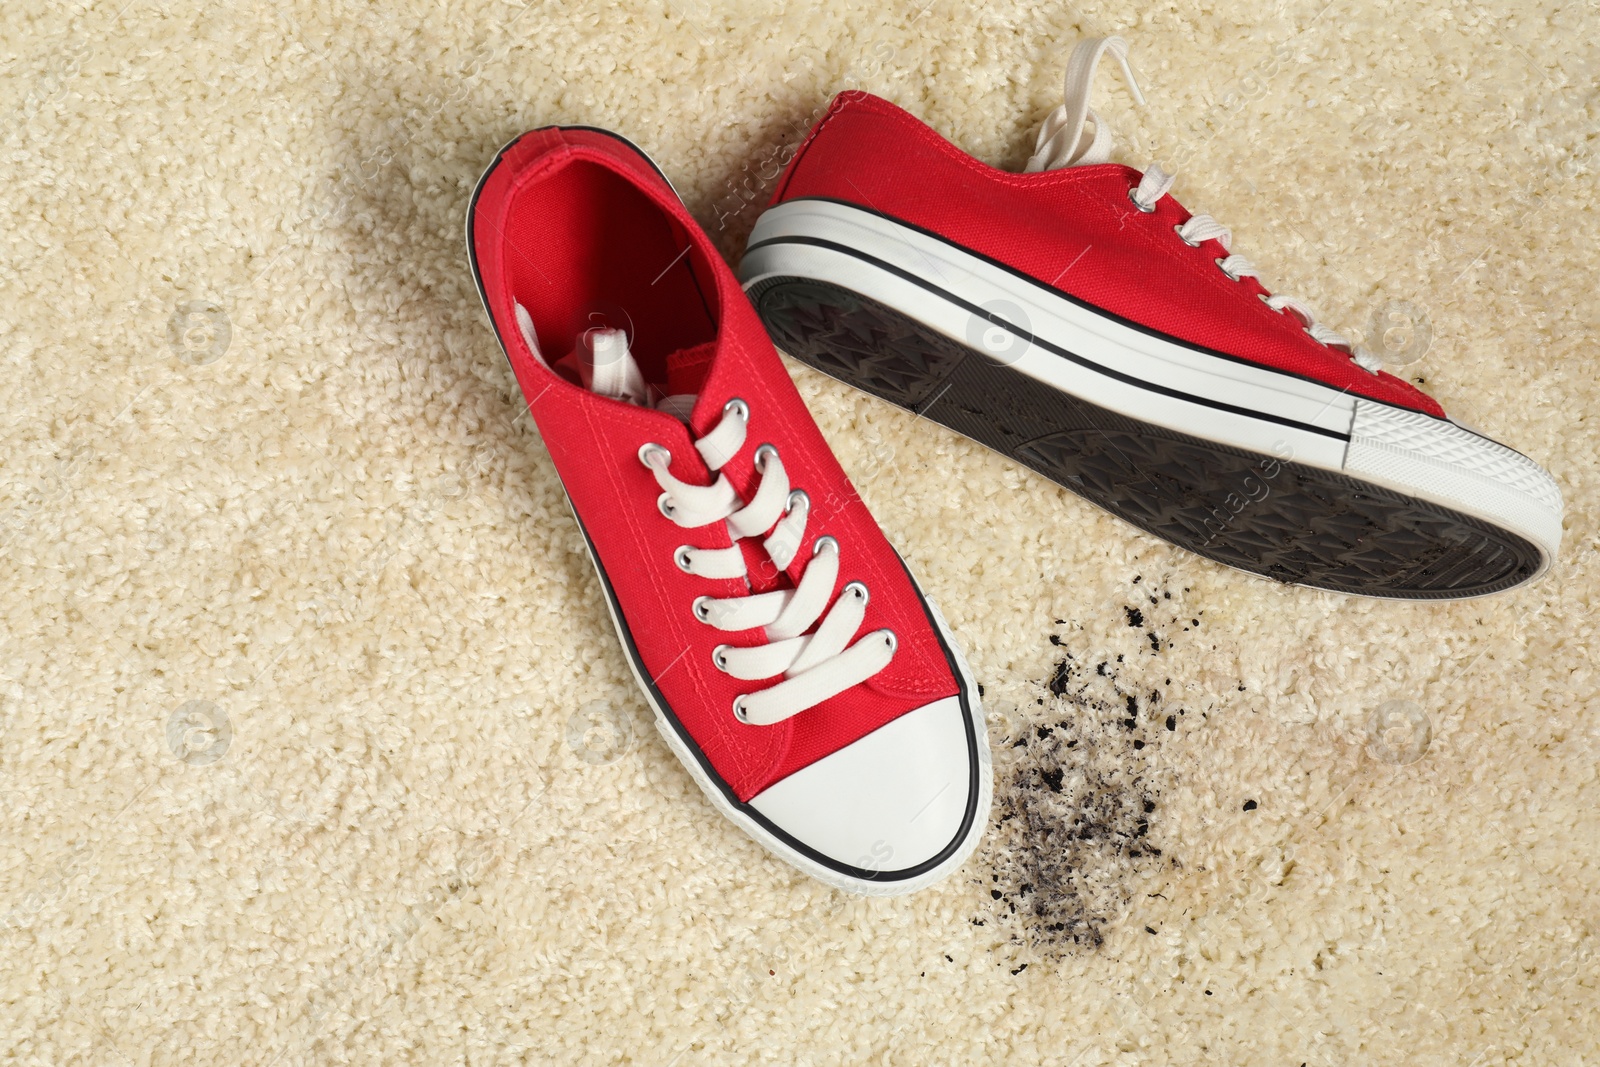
[686,373]
[687,369]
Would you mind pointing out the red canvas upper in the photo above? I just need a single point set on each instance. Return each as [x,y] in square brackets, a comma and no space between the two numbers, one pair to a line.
[1074,229]
[572,220]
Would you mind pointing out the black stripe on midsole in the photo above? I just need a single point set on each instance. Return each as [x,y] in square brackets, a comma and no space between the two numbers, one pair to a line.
[1050,290]
[1027,335]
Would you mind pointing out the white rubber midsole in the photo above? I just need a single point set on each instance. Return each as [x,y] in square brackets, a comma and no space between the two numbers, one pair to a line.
[1148,377]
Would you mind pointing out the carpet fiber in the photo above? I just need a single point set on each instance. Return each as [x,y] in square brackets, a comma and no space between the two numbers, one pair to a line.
[316,745]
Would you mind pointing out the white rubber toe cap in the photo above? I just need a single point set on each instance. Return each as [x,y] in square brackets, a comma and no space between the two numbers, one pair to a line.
[1451,464]
[903,800]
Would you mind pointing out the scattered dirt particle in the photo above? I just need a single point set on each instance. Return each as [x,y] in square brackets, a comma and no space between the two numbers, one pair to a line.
[1075,838]
[1077,832]
[1059,680]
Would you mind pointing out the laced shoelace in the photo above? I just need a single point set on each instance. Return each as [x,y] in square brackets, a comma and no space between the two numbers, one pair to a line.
[1065,142]
[814,666]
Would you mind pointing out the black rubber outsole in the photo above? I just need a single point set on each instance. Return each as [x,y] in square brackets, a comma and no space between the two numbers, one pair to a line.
[1256,512]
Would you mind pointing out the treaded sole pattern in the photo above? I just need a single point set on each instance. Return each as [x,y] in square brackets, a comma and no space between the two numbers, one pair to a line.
[1259,513]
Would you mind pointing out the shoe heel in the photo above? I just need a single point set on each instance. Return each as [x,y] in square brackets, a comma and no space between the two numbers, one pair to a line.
[856,340]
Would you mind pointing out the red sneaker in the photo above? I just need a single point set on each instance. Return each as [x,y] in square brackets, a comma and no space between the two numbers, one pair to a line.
[1079,320]
[794,666]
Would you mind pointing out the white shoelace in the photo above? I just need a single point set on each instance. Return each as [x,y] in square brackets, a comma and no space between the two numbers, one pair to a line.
[1064,142]
[814,666]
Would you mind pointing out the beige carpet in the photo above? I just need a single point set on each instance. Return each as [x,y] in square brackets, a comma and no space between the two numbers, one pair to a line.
[318,748]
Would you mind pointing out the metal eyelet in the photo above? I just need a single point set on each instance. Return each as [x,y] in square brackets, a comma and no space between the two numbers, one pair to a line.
[891,640]
[738,710]
[1178,229]
[1226,272]
[737,405]
[824,541]
[702,612]
[857,590]
[719,658]
[649,447]
[762,455]
[664,505]
[681,558]
[1133,196]
[797,497]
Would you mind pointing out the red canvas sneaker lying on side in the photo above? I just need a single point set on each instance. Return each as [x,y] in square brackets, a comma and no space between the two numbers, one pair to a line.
[793,664]
[1078,319]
